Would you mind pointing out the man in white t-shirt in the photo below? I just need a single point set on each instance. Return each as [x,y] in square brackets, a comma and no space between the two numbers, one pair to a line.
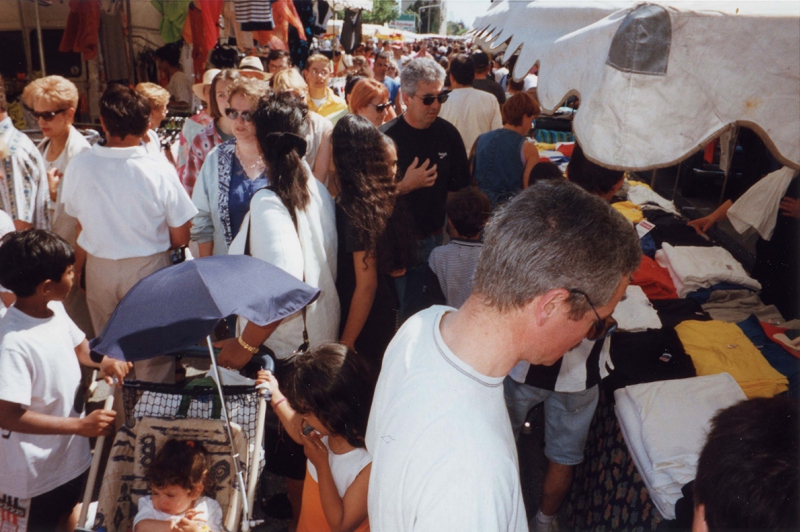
[131,210]
[473,112]
[44,448]
[554,265]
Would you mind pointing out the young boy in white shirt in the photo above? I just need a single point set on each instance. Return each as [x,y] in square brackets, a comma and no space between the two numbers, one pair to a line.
[44,445]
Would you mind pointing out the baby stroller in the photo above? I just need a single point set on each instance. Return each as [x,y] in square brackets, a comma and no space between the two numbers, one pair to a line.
[154,318]
[155,413]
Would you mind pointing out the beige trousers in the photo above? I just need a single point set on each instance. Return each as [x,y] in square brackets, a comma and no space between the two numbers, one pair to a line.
[107,282]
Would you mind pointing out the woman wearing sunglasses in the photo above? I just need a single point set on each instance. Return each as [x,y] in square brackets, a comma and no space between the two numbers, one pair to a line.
[370,99]
[214,134]
[53,101]
[231,174]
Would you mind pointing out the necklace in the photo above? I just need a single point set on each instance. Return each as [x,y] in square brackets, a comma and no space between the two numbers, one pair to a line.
[258,165]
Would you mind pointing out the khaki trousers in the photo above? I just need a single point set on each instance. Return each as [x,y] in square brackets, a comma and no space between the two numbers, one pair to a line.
[107,282]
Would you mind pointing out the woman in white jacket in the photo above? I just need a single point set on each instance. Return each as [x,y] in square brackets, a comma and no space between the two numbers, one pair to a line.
[291,225]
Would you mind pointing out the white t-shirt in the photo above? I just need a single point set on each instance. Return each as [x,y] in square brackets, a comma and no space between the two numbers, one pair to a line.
[6,226]
[126,200]
[443,454]
[473,112]
[209,507]
[180,87]
[40,371]
[344,467]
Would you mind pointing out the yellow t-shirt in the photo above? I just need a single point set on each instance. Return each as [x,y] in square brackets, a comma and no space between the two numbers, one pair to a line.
[629,210]
[717,346]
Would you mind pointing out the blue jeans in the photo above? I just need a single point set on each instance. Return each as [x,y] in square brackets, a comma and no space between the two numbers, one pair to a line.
[411,286]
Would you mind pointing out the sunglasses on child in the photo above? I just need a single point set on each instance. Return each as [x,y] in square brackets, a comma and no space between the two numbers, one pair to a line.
[233,114]
[381,107]
[601,328]
[47,116]
[429,99]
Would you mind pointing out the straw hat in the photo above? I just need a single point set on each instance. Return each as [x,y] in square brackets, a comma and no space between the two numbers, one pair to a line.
[251,67]
[208,77]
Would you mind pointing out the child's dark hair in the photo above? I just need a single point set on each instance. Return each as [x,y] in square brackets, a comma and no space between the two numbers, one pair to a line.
[544,170]
[590,176]
[468,210]
[29,258]
[180,463]
[335,384]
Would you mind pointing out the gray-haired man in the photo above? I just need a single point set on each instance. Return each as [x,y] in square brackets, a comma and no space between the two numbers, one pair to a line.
[431,158]
[555,263]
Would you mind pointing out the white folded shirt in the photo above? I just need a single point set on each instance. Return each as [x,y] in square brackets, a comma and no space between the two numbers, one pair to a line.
[635,313]
[692,268]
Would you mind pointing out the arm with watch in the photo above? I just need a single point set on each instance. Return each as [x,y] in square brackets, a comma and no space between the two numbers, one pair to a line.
[236,352]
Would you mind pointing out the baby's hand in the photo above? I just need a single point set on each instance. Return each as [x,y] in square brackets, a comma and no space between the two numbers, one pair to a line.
[190,522]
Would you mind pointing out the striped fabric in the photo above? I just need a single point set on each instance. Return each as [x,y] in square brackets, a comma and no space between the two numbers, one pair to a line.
[549,136]
[254,15]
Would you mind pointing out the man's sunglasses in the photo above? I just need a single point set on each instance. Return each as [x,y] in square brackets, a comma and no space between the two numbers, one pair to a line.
[233,114]
[47,116]
[601,328]
[381,107]
[429,99]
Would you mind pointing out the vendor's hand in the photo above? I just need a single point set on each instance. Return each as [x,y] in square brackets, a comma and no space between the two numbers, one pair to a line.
[233,355]
[701,225]
[315,450]
[112,369]
[98,423]
[790,207]
[53,179]
[418,175]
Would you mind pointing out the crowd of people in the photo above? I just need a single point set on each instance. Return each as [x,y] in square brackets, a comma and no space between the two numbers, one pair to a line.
[447,254]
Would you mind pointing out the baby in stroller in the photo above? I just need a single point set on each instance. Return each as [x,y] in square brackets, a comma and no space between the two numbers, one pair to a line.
[179,478]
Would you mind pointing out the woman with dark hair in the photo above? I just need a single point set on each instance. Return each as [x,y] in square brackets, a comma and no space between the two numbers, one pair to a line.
[366,164]
[292,225]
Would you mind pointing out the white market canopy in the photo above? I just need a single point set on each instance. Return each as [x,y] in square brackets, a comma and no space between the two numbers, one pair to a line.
[658,80]
[338,5]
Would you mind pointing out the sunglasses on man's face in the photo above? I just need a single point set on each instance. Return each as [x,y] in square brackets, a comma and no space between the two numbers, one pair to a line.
[233,114]
[381,107]
[601,328]
[47,116]
[429,99]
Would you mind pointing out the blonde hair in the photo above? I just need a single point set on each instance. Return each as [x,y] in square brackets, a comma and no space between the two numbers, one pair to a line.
[155,94]
[289,80]
[319,58]
[251,89]
[51,90]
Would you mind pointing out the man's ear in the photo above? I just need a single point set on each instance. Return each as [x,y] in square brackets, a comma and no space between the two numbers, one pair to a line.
[548,305]
[699,524]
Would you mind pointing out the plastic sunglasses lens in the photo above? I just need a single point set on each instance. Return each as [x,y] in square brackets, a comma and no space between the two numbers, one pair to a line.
[382,107]
[233,114]
[443,97]
[247,116]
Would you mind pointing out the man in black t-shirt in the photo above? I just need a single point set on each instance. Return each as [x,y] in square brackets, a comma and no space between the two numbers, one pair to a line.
[482,81]
[430,156]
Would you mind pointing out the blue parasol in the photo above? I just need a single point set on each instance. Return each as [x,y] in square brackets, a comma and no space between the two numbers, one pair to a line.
[179,306]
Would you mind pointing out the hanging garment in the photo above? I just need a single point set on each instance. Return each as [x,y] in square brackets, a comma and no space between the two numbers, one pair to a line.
[322,14]
[204,24]
[173,18]
[758,207]
[284,14]
[112,41]
[244,39]
[717,347]
[254,15]
[82,33]
[351,30]
[300,43]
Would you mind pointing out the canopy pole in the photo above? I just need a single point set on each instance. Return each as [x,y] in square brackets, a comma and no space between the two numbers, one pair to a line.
[39,37]
[234,453]
[26,40]
[132,55]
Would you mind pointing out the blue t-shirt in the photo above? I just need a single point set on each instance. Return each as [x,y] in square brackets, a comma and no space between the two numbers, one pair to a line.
[393,86]
[240,194]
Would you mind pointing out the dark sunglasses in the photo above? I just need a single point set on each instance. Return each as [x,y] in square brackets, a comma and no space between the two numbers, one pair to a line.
[428,100]
[381,107]
[47,116]
[233,114]
[601,328]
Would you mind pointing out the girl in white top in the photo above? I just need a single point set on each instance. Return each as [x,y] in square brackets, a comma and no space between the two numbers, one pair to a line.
[178,478]
[326,407]
[158,98]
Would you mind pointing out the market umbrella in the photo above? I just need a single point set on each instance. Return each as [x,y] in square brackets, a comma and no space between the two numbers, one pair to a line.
[178,306]
[658,80]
